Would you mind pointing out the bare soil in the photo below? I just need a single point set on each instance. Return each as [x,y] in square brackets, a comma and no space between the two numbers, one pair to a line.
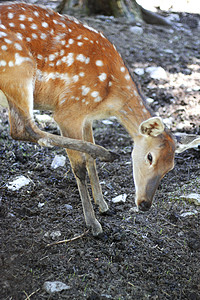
[153,255]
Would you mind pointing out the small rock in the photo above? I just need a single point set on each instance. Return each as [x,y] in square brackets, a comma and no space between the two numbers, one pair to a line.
[181,125]
[136,30]
[18,183]
[55,286]
[189,213]
[139,71]
[156,72]
[107,122]
[168,121]
[68,207]
[43,118]
[169,51]
[149,100]
[134,209]
[40,204]
[58,161]
[120,198]
[55,234]
[195,198]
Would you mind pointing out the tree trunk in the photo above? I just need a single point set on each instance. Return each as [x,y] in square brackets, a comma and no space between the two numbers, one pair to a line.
[117,8]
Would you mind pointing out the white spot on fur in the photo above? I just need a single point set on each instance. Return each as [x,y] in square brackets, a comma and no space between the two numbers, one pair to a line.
[85,90]
[87,60]
[2,63]
[99,63]
[122,69]
[71,41]
[144,110]
[52,57]
[70,59]
[34,26]
[22,17]
[62,52]
[2,26]
[10,15]
[45,24]
[11,64]
[97,99]
[95,94]
[20,59]
[59,62]
[11,24]
[135,93]
[43,36]
[102,76]
[79,37]
[4,47]
[36,13]
[18,46]
[19,35]
[81,74]
[127,77]
[75,78]
[3,34]
[110,83]
[34,36]
[28,39]
[8,41]
[30,19]
[39,56]
[80,44]
[81,58]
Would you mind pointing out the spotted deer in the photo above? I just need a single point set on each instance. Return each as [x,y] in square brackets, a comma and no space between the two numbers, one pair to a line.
[54,62]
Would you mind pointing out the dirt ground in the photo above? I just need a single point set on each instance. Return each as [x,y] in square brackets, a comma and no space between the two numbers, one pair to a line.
[152,255]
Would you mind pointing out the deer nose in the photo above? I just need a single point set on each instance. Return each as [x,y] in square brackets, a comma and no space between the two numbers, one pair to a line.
[144,205]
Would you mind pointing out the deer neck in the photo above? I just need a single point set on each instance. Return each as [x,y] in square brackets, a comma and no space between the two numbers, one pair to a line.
[133,112]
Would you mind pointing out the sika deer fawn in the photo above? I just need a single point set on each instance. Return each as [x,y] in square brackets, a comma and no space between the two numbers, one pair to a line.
[54,62]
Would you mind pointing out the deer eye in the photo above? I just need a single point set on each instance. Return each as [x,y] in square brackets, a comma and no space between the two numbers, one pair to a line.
[150,158]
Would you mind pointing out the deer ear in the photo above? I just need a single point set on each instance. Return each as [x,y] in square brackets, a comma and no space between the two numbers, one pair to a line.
[152,127]
[186,141]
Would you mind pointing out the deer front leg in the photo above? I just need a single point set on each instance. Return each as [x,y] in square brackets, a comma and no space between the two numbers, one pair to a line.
[92,172]
[79,168]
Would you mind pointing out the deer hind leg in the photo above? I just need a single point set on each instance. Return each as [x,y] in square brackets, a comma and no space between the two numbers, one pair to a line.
[78,164]
[18,90]
[92,171]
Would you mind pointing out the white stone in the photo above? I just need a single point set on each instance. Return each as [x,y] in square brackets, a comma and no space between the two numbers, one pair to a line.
[156,72]
[55,234]
[58,161]
[139,71]
[43,118]
[149,100]
[193,197]
[136,30]
[120,198]
[107,122]
[168,121]
[68,206]
[55,286]
[18,183]
[134,209]
[189,213]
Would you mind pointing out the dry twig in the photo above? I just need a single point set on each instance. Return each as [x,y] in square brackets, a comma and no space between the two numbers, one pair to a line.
[69,240]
